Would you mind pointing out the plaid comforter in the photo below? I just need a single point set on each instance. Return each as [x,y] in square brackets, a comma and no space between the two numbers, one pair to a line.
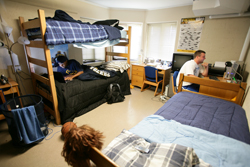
[61,32]
[123,152]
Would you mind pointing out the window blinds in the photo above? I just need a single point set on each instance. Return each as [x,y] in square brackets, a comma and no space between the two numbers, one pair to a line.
[161,40]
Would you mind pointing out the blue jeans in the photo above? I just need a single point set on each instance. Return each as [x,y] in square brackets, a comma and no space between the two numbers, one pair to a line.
[192,87]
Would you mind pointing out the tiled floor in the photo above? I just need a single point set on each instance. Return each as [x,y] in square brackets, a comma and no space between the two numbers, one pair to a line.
[110,119]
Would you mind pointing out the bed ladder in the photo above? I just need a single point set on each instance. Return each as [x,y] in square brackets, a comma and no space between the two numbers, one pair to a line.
[41,23]
[124,42]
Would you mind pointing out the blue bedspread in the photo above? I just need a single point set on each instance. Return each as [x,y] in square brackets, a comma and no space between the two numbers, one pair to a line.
[217,150]
[208,113]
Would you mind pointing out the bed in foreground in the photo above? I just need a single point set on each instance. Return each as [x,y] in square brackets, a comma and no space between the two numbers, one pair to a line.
[213,129]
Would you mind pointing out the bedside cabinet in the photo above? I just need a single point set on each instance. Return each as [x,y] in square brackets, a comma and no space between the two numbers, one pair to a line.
[137,75]
[12,84]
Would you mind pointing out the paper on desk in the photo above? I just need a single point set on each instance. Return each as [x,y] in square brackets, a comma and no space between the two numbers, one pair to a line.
[219,64]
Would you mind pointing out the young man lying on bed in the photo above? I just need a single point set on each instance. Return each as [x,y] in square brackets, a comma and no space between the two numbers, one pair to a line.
[72,69]
[69,68]
[194,68]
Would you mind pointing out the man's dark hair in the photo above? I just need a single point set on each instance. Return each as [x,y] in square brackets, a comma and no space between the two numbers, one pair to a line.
[198,53]
[61,59]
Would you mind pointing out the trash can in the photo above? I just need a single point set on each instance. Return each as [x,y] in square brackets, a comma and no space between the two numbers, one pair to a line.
[23,102]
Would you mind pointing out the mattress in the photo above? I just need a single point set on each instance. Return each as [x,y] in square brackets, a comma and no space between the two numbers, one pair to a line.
[208,113]
[64,32]
[217,150]
[78,97]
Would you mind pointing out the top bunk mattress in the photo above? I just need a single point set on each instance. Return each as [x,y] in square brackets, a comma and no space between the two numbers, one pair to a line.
[208,113]
[63,29]
[61,32]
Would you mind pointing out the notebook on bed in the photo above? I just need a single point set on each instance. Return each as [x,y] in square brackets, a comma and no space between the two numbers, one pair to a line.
[59,77]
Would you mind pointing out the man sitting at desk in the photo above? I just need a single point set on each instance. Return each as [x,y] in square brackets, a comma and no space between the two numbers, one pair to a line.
[69,68]
[194,68]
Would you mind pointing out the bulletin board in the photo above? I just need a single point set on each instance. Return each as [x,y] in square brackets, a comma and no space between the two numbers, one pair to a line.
[190,34]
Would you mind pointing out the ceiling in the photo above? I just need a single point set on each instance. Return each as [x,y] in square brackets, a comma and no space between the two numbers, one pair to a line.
[140,4]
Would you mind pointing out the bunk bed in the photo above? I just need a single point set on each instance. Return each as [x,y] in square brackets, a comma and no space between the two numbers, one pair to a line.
[58,96]
[214,128]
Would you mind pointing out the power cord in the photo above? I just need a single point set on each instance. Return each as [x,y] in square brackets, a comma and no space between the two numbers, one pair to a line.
[20,71]
[13,95]
[162,98]
[238,74]
[51,130]
[21,82]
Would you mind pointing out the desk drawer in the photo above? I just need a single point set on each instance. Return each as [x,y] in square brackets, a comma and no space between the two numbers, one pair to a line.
[10,91]
[139,73]
[138,68]
[137,80]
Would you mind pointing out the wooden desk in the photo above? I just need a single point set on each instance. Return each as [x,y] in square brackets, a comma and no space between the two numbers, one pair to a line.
[8,90]
[216,91]
[138,73]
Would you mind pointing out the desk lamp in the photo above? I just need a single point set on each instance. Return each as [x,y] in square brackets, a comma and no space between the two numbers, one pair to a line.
[21,40]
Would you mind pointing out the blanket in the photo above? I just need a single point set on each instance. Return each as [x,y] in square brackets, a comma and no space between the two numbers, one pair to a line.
[217,150]
[27,124]
[95,73]
[62,32]
[122,150]
[78,97]
[208,113]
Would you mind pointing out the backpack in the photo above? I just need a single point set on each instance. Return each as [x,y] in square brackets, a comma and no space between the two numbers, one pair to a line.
[114,94]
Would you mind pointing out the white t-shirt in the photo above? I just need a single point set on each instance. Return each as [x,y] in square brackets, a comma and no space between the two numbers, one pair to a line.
[190,67]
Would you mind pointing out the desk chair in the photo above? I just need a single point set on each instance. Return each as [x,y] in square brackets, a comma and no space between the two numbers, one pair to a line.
[3,101]
[174,82]
[151,78]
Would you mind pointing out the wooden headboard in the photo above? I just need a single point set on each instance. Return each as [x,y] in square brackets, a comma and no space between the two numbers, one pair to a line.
[238,89]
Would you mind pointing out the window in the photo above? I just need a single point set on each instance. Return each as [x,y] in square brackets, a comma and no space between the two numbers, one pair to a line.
[161,40]
[136,37]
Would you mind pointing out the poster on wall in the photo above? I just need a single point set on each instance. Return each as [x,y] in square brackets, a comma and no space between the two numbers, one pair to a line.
[190,34]
[58,50]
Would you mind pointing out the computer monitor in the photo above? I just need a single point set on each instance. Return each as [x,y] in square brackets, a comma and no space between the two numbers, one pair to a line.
[179,59]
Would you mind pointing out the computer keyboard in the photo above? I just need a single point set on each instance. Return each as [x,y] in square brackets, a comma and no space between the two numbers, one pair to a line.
[214,78]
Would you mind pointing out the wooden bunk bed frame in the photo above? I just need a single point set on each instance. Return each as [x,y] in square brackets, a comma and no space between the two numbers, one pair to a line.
[41,23]
[238,89]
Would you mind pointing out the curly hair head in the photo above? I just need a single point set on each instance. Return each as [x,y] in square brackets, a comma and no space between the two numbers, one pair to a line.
[77,144]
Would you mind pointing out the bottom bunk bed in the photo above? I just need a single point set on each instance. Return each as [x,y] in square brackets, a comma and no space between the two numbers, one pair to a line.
[46,32]
[77,97]
[190,129]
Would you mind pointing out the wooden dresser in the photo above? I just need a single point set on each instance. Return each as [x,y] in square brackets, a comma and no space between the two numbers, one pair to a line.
[137,75]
